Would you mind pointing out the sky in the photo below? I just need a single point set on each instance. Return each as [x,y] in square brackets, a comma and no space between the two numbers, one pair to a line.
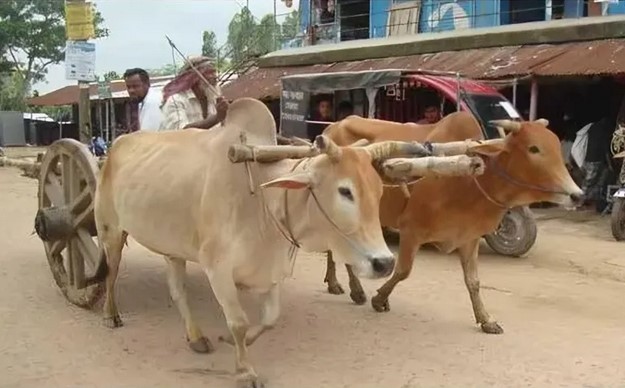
[138,29]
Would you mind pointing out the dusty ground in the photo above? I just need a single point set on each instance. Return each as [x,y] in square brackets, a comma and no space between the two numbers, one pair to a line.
[563,309]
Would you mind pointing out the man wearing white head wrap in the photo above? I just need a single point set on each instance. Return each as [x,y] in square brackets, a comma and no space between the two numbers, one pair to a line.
[188,102]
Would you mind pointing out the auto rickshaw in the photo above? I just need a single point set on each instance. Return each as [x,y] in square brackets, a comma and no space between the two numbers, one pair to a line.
[401,96]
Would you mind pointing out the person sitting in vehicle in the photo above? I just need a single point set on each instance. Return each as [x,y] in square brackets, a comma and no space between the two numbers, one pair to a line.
[323,112]
[431,114]
[188,102]
[344,109]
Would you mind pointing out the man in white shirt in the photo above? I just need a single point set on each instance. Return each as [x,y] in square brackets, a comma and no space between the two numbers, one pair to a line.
[188,102]
[144,98]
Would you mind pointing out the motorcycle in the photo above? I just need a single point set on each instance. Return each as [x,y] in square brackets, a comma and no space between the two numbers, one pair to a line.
[617,218]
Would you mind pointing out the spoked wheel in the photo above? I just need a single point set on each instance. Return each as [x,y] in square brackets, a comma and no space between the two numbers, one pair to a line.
[617,219]
[516,233]
[65,220]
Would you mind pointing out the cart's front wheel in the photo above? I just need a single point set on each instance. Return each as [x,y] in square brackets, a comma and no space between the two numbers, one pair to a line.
[65,221]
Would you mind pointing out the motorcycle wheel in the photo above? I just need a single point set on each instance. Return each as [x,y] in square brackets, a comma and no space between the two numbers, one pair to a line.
[515,235]
[617,219]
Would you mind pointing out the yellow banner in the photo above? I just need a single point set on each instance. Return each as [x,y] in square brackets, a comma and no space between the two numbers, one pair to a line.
[79,20]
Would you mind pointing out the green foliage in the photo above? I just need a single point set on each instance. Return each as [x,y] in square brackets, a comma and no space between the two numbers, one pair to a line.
[246,38]
[111,76]
[32,37]
[241,36]
[168,69]
[267,35]
[290,26]
[209,45]
[11,87]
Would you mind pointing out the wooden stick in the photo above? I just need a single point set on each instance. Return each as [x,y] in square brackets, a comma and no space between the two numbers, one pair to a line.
[238,153]
[459,147]
[460,165]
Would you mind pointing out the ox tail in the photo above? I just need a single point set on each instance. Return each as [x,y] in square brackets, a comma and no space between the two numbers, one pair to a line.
[101,272]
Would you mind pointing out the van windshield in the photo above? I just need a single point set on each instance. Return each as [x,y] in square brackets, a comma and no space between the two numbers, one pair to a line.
[492,107]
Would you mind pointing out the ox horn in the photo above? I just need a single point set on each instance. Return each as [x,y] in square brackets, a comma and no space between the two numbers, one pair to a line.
[360,143]
[328,147]
[507,125]
[390,149]
[543,122]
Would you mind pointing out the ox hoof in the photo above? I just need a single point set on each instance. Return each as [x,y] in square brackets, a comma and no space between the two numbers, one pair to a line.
[358,297]
[380,305]
[492,328]
[335,289]
[249,381]
[201,345]
[113,322]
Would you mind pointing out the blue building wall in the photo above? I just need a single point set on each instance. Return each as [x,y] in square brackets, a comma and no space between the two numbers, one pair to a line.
[617,9]
[379,17]
[438,15]
[446,15]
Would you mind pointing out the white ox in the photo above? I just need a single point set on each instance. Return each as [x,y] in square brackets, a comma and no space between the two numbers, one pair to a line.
[177,194]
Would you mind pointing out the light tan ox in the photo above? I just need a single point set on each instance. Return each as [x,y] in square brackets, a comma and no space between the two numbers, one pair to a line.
[177,194]
[455,212]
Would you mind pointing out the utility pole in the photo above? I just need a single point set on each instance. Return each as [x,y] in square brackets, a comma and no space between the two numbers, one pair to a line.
[79,28]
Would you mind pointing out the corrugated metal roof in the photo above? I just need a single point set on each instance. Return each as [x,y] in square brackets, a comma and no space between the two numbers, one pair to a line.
[600,57]
[69,95]
[608,57]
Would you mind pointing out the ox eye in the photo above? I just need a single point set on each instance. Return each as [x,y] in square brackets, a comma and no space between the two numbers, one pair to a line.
[346,193]
[534,150]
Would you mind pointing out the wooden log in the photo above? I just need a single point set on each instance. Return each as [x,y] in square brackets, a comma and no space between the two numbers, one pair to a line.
[459,147]
[459,165]
[238,153]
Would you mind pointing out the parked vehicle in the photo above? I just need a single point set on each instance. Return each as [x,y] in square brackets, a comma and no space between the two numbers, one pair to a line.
[617,219]
[401,96]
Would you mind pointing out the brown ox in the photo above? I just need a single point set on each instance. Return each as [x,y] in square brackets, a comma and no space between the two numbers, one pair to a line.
[455,212]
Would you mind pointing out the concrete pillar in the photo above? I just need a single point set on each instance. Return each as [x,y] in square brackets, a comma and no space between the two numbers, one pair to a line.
[533,99]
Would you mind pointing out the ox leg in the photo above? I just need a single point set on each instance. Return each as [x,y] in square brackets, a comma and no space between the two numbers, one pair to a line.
[176,276]
[356,292]
[113,242]
[269,316]
[407,250]
[334,287]
[219,274]
[468,257]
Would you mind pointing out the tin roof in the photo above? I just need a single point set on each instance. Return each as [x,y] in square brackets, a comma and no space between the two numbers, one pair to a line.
[564,59]
[68,95]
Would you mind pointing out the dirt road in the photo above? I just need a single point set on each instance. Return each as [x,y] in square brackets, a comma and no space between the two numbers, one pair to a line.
[563,311]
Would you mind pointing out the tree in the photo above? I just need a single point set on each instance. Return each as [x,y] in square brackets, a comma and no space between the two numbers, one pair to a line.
[111,76]
[241,35]
[267,34]
[34,34]
[11,97]
[209,45]
[290,26]
[168,69]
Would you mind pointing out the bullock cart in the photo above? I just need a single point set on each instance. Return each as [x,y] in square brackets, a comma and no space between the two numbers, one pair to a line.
[402,96]
[67,176]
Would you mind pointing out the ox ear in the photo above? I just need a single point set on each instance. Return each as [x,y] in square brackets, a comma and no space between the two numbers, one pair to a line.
[488,149]
[298,180]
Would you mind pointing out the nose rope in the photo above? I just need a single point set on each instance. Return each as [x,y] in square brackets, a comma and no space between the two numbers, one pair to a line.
[287,232]
[499,171]
[503,174]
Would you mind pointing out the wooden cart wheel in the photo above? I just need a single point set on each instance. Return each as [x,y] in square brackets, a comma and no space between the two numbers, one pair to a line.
[65,220]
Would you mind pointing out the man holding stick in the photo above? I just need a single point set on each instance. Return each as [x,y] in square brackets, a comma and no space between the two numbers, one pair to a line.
[188,102]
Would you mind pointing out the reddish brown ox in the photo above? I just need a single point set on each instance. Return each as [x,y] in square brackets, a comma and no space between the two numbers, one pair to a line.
[455,212]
